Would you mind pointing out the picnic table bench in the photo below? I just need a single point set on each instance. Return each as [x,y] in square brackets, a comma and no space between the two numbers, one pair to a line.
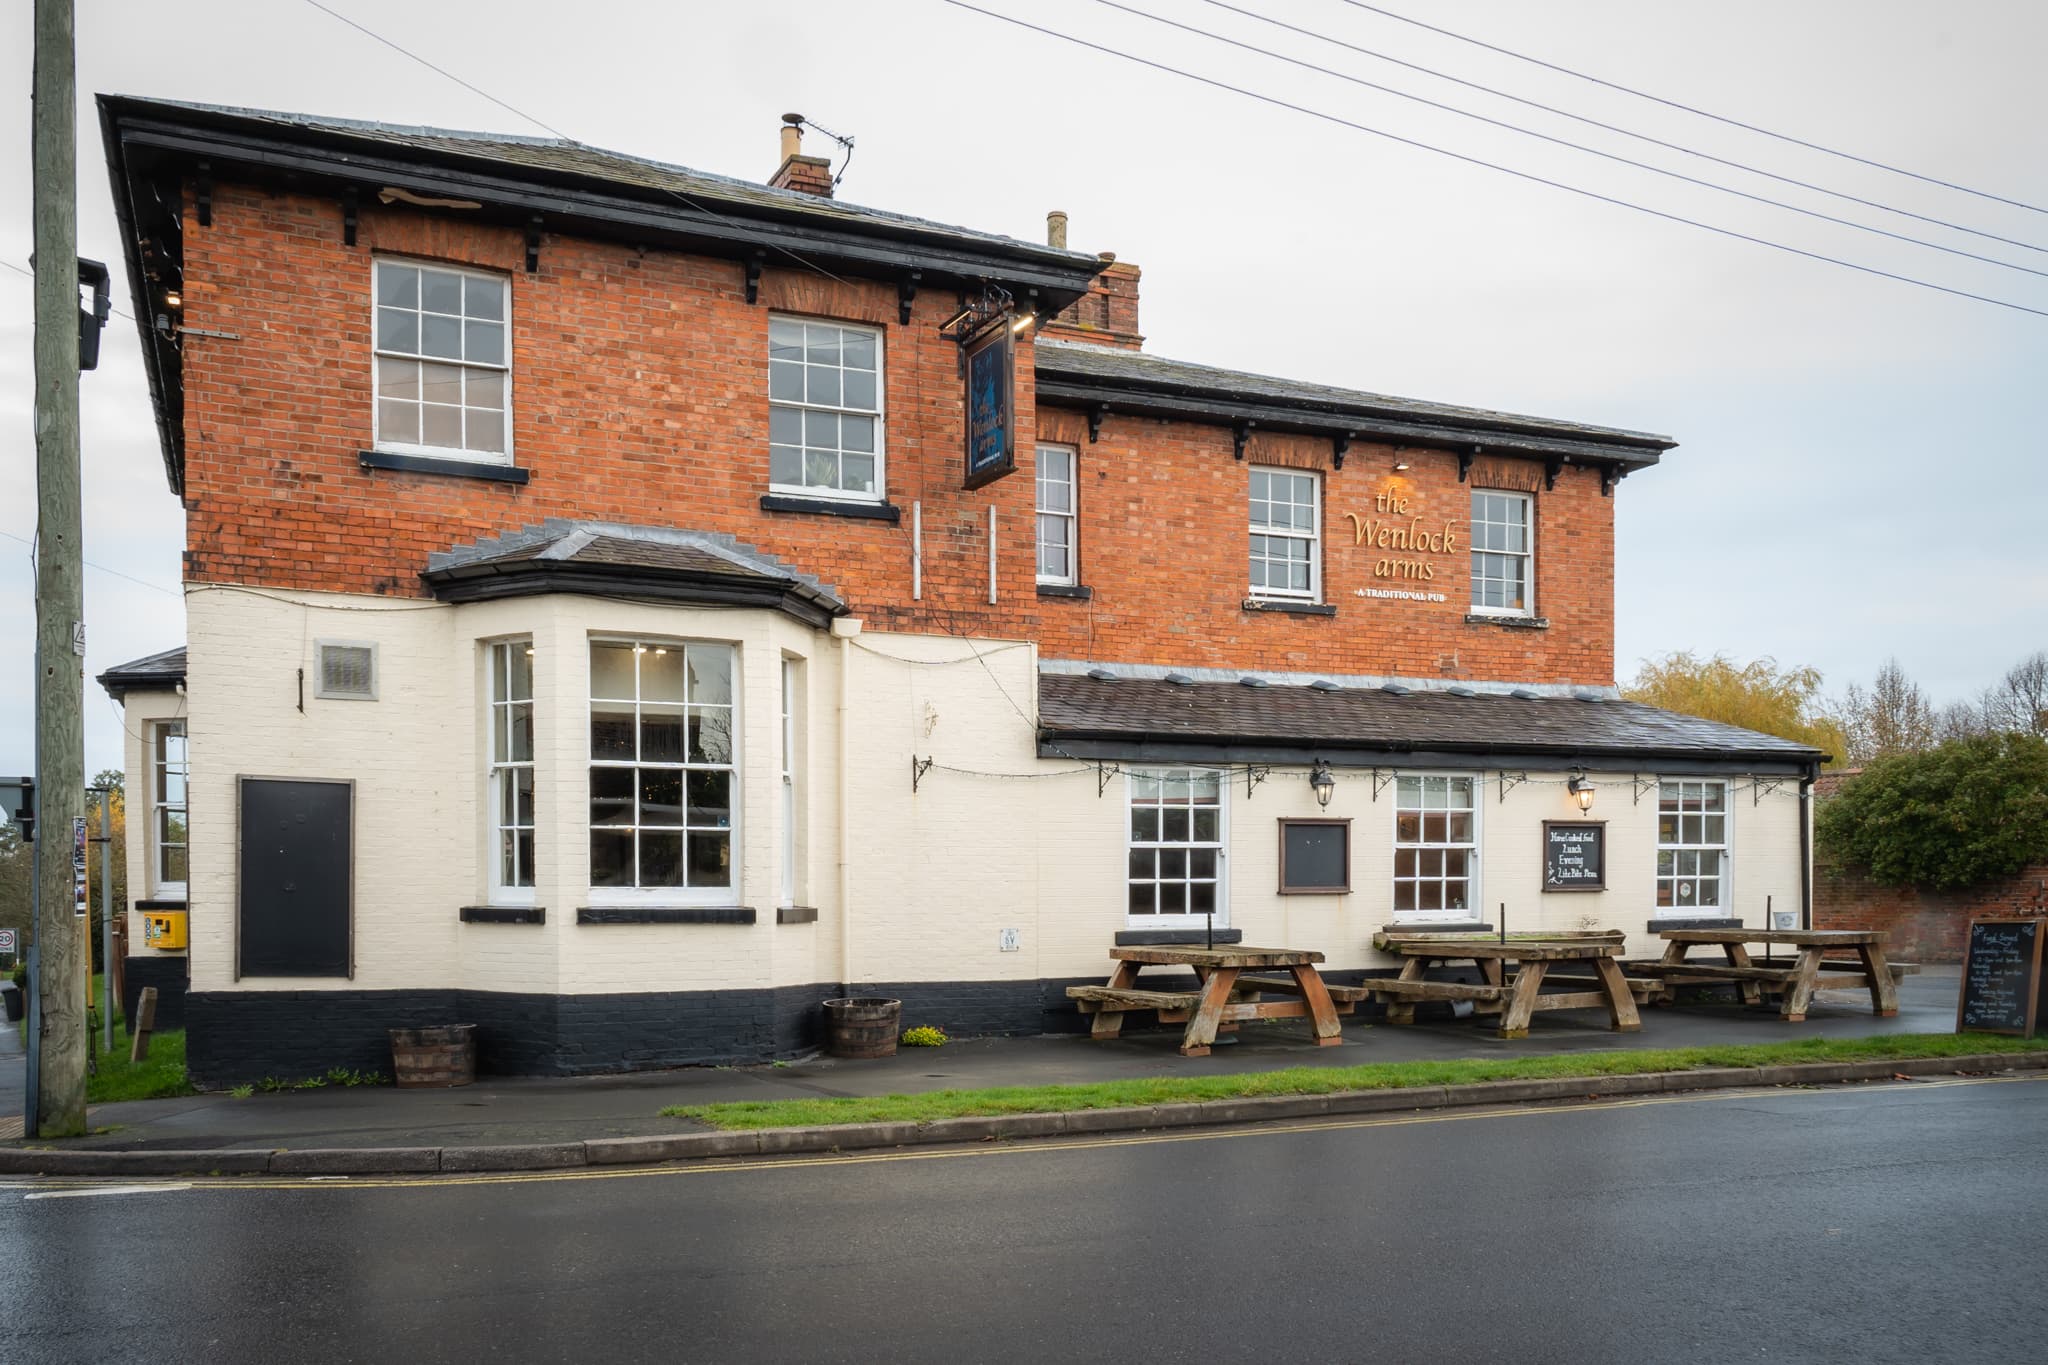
[1518,997]
[1795,982]
[1225,997]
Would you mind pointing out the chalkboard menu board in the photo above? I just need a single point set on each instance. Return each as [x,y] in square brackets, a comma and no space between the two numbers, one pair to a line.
[1574,855]
[2002,983]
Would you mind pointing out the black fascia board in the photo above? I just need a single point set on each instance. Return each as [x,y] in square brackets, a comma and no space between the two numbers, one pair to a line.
[160,360]
[1328,422]
[1167,751]
[883,249]
[532,578]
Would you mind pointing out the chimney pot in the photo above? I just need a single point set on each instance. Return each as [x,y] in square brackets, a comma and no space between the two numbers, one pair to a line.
[1056,228]
[792,135]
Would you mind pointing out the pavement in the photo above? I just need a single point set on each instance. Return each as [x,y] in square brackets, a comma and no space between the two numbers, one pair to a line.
[1878,1223]
[507,1111]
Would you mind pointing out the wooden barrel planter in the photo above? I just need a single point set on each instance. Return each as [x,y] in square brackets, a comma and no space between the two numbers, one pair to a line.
[864,1026]
[441,1057]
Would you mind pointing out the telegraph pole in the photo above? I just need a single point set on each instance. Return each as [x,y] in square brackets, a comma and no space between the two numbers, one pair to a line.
[60,595]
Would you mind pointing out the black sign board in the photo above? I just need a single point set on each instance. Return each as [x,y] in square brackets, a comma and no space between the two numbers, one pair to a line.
[1574,855]
[991,410]
[2002,982]
[1315,856]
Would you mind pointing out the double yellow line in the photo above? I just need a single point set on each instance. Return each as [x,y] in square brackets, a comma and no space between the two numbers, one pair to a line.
[1018,1147]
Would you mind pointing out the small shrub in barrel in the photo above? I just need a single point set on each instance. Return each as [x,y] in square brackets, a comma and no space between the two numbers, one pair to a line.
[862,1026]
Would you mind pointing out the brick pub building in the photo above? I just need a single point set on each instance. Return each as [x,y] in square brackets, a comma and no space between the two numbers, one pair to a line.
[592,634]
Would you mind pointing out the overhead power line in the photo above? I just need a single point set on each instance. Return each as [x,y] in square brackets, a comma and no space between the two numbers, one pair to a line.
[1690,109]
[1680,147]
[1566,142]
[141,582]
[30,274]
[1279,103]
[677,195]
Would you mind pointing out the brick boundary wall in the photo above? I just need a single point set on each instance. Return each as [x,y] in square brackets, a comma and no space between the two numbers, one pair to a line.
[1925,926]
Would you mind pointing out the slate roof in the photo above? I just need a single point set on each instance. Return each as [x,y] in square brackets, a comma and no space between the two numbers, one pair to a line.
[1080,363]
[159,672]
[558,554]
[1381,720]
[562,156]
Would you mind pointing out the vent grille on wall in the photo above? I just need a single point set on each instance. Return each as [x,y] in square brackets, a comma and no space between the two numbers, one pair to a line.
[348,671]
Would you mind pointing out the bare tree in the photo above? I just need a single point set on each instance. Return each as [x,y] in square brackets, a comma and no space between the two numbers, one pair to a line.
[1961,720]
[2019,702]
[1893,717]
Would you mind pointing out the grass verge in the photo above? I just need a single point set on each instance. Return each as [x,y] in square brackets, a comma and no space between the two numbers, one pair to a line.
[160,1077]
[1047,1099]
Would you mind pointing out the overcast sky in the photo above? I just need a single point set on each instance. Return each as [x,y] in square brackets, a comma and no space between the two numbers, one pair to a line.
[1860,471]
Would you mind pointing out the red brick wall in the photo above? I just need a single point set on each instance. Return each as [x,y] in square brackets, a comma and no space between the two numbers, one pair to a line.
[639,394]
[1926,926]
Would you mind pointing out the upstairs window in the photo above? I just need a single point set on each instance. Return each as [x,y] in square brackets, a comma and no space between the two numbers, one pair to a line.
[168,772]
[444,376]
[1503,548]
[1286,524]
[1056,515]
[824,409]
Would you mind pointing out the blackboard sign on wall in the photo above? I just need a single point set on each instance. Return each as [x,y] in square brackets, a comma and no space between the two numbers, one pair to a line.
[1574,855]
[2002,982]
[1315,856]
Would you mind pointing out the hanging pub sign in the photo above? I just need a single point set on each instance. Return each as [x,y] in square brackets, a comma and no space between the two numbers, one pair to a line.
[991,408]
[1574,855]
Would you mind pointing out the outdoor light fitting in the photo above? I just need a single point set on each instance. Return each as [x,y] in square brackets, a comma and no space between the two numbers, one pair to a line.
[1582,791]
[1400,463]
[1323,783]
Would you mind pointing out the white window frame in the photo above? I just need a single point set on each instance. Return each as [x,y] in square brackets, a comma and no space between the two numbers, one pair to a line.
[377,438]
[1473,853]
[1071,457]
[1132,844]
[1313,537]
[1723,876]
[500,714]
[791,672]
[161,806]
[879,412]
[1527,554]
[626,896]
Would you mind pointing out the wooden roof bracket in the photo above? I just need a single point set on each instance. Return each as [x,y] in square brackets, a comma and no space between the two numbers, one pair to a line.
[754,277]
[533,245]
[1240,435]
[1095,416]
[1340,443]
[906,294]
[1465,458]
[348,216]
[1552,467]
[1611,475]
[202,191]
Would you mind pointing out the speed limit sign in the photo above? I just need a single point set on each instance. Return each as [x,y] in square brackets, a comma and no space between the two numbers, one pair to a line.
[7,942]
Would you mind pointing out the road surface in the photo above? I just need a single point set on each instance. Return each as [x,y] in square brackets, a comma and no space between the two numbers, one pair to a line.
[1902,1222]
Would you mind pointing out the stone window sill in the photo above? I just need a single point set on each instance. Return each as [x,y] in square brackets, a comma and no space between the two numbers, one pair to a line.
[1695,922]
[1070,590]
[796,914]
[503,914]
[1510,622]
[665,914]
[1289,608]
[428,464]
[1174,938]
[1453,926]
[827,507]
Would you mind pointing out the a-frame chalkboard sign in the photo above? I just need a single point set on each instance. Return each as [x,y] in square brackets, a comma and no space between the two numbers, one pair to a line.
[2003,988]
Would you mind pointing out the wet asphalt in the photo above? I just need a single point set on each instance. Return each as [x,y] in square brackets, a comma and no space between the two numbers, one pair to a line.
[1898,1222]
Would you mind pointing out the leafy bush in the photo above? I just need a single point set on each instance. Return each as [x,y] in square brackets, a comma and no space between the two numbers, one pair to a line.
[1960,814]
[924,1035]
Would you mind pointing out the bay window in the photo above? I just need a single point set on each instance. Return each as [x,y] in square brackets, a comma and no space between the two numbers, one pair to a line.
[510,772]
[663,784]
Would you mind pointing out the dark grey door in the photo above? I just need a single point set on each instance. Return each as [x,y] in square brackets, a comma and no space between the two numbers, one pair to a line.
[295,878]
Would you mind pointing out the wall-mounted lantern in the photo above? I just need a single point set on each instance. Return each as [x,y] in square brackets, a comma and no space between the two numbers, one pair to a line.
[1581,790]
[1323,783]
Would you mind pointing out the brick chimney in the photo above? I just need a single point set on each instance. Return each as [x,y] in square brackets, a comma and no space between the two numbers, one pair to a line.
[810,174]
[1107,314]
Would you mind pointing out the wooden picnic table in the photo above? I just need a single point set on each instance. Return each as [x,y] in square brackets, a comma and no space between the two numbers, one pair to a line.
[1797,981]
[1226,995]
[1516,999]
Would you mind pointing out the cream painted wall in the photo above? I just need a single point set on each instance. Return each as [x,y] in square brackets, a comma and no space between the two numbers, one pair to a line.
[140,712]
[992,838]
